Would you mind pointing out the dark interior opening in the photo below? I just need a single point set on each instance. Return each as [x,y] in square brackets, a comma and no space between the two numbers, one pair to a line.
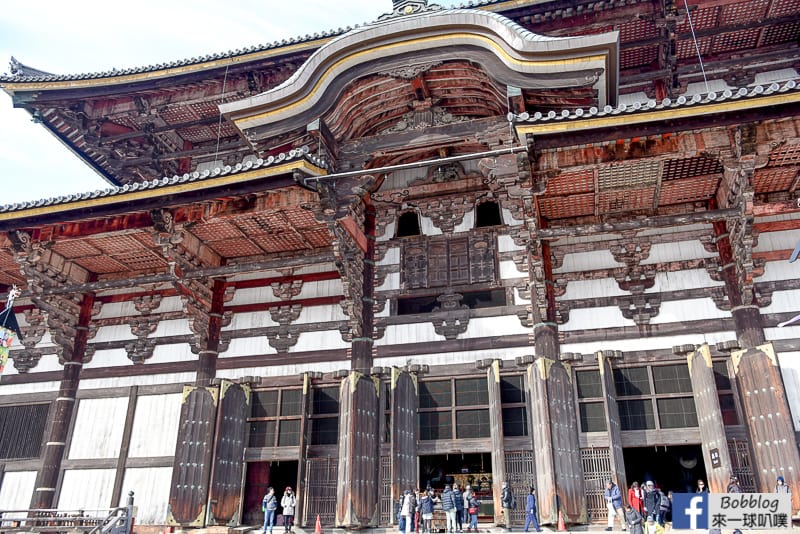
[260,476]
[487,214]
[473,469]
[673,468]
[408,224]
[473,299]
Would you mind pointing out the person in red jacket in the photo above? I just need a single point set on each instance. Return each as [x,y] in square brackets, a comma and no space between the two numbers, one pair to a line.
[635,496]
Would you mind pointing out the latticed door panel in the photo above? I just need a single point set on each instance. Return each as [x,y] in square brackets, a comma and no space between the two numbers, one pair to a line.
[596,469]
[386,502]
[520,475]
[321,477]
[741,465]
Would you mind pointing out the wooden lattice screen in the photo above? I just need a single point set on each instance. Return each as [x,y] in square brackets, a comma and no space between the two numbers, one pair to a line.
[387,509]
[521,475]
[321,482]
[596,470]
[742,467]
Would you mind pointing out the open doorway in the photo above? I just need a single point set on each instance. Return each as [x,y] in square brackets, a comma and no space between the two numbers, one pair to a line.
[260,476]
[671,467]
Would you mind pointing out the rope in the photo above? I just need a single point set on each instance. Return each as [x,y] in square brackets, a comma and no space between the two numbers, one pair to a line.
[696,46]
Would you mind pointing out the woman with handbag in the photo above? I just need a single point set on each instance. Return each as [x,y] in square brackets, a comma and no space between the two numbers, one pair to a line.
[472,509]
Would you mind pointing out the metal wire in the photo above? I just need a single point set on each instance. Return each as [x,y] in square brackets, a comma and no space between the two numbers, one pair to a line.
[696,46]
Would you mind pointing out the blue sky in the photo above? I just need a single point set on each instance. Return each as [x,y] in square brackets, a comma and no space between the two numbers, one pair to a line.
[79,36]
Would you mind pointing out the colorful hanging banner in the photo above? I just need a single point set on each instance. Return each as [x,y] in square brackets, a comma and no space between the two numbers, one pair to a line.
[6,339]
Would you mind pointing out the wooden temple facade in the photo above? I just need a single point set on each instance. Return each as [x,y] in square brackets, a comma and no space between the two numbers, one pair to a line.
[542,242]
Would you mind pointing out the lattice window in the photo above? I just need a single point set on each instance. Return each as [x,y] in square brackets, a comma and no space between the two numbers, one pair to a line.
[784,33]
[321,475]
[596,470]
[386,504]
[459,261]
[21,430]
[520,475]
[275,418]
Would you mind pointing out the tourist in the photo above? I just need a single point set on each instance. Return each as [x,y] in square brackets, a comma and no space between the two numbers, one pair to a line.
[733,485]
[449,507]
[425,508]
[288,502]
[664,507]
[635,496]
[652,500]
[458,497]
[465,498]
[407,510]
[652,527]
[701,487]
[531,512]
[613,497]
[509,502]
[634,520]
[269,504]
[473,506]
[782,487]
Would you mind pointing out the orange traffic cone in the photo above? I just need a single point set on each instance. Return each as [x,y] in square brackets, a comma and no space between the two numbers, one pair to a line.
[561,526]
[318,527]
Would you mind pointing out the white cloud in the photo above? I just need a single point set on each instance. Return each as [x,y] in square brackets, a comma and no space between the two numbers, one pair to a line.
[92,36]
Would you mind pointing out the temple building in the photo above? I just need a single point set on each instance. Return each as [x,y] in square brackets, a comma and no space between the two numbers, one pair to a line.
[533,241]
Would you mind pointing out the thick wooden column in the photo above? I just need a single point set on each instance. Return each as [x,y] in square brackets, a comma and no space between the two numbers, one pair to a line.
[191,471]
[496,434]
[769,420]
[227,470]
[302,446]
[359,452]
[559,471]
[611,409]
[206,324]
[709,418]
[72,340]
[403,432]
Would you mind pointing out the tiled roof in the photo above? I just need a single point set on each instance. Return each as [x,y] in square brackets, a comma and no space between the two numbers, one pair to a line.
[301,153]
[650,105]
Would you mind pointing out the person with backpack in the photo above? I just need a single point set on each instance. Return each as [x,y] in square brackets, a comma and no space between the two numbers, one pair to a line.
[473,507]
[407,510]
[425,507]
[269,504]
[509,502]
[459,498]
[449,507]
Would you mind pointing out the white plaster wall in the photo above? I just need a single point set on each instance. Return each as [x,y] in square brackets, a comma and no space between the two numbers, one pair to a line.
[248,346]
[582,289]
[467,223]
[779,270]
[98,428]
[505,325]
[142,380]
[783,240]
[787,332]
[321,314]
[674,311]
[155,425]
[790,370]
[508,270]
[426,226]
[312,341]
[392,257]
[506,244]
[588,261]
[592,318]
[518,300]
[678,251]
[174,327]
[117,309]
[283,369]
[16,492]
[455,358]
[648,343]
[87,489]
[246,320]
[151,493]
[509,219]
[48,362]
[408,333]
[177,352]
[779,75]
[113,333]
[784,301]
[388,233]
[391,282]
[108,358]
[35,387]
[686,279]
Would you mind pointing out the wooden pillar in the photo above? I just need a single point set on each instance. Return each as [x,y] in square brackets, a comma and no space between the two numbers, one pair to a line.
[73,350]
[713,441]
[302,447]
[403,433]
[359,453]
[191,471]
[362,345]
[208,334]
[611,409]
[496,434]
[769,422]
[230,438]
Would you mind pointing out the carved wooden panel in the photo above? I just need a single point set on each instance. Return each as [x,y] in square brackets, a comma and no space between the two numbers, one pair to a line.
[192,466]
[437,263]
[712,430]
[458,255]
[229,443]
[482,258]
[415,264]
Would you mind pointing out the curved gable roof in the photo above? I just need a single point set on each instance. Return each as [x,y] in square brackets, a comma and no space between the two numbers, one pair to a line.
[512,54]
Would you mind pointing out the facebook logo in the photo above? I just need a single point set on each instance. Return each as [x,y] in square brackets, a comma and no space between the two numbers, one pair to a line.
[690,511]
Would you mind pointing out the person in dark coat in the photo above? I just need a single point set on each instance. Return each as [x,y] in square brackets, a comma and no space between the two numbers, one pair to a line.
[613,497]
[459,499]
[449,507]
[531,512]
[269,505]
[634,520]
[425,507]
[652,500]
[509,502]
